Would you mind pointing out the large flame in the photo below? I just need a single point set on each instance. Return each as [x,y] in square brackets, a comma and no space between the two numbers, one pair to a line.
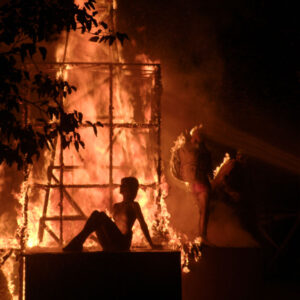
[72,185]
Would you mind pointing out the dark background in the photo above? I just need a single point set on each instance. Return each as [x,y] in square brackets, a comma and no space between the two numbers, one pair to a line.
[233,66]
[238,60]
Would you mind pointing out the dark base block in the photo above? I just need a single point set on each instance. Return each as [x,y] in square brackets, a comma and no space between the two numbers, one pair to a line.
[101,275]
[225,274]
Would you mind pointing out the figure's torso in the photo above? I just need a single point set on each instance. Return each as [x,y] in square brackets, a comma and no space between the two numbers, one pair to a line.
[124,214]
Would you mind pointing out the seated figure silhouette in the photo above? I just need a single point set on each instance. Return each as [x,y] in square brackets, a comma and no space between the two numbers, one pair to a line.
[115,235]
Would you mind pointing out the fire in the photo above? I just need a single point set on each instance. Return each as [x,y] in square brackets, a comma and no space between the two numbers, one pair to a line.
[90,179]
[9,269]
[225,160]
[62,190]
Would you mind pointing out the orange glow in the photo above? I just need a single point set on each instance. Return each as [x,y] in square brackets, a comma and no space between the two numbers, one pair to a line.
[134,149]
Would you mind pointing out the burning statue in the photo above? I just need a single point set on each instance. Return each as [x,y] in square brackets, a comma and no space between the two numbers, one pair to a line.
[191,163]
[222,196]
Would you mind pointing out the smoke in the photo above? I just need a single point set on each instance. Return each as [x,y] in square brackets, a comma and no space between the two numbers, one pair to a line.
[225,228]
[184,37]
[192,69]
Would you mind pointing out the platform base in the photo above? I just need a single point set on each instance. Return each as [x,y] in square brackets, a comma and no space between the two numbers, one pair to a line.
[101,275]
[225,274]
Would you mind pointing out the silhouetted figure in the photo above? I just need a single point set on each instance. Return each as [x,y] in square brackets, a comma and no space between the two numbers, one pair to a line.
[115,235]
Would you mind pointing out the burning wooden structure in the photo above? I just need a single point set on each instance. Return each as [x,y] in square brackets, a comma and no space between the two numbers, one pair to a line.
[126,124]
[128,144]
[60,191]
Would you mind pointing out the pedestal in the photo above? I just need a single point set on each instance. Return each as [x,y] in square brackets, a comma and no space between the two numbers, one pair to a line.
[103,275]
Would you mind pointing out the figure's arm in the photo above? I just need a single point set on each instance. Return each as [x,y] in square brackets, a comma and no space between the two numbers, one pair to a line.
[143,224]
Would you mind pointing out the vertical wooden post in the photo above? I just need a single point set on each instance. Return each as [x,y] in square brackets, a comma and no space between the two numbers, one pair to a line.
[158,90]
[23,234]
[111,133]
[61,194]
[61,180]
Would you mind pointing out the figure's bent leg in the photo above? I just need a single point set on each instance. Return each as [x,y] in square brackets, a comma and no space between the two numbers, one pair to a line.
[109,235]
[93,223]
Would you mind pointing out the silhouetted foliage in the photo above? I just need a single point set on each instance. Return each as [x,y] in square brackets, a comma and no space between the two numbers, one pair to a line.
[23,26]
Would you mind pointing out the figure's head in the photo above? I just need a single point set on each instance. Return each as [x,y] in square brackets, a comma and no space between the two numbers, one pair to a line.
[129,188]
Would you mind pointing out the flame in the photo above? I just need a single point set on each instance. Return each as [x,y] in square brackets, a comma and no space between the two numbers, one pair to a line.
[62,74]
[134,154]
[218,168]
[131,155]
[9,267]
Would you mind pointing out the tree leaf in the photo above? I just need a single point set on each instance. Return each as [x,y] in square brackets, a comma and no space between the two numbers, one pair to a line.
[26,24]
[41,120]
[80,117]
[111,40]
[82,144]
[76,145]
[94,39]
[26,74]
[43,52]
[95,129]
[103,24]
[104,38]
[31,49]
[121,37]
